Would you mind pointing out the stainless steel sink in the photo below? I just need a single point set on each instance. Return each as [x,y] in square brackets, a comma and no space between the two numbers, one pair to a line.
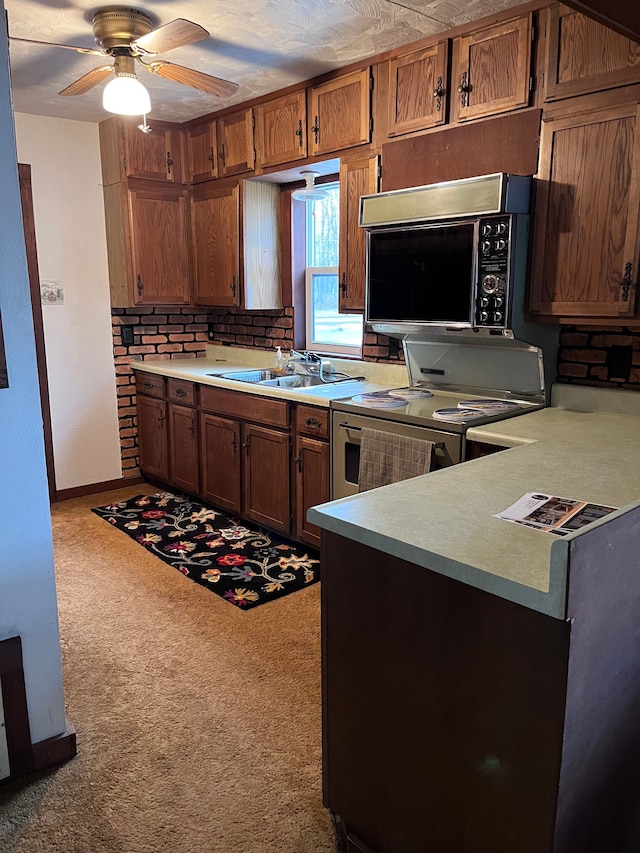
[269,378]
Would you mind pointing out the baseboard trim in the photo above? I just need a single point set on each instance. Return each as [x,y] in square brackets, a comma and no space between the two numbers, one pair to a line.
[96,488]
[55,750]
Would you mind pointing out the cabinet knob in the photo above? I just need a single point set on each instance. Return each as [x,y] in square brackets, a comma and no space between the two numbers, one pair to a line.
[464,88]
[438,93]
[212,158]
[181,393]
[169,162]
[147,384]
[343,284]
[140,286]
[247,445]
[625,282]
[221,155]
[298,461]
[316,129]
[192,430]
[232,286]
[299,132]
[234,443]
[313,423]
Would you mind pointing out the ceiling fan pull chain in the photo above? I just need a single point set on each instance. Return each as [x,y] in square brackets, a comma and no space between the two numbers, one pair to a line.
[169,162]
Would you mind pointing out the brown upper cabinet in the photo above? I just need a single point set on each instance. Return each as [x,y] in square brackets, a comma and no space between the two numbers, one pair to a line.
[127,152]
[587,234]
[418,90]
[235,142]
[491,70]
[215,231]
[340,113]
[357,178]
[281,130]
[202,152]
[584,56]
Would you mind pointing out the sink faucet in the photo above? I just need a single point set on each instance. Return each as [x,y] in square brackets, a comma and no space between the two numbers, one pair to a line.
[308,363]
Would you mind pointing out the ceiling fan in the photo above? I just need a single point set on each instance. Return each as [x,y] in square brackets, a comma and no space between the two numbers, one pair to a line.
[127,35]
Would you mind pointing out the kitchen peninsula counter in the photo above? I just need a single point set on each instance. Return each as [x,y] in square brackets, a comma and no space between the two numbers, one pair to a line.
[445,520]
[481,679]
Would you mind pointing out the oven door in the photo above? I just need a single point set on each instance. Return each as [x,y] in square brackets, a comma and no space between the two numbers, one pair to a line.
[345,441]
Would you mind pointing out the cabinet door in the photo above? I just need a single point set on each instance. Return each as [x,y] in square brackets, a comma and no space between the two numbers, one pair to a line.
[153,446]
[281,130]
[159,246]
[585,56]
[215,224]
[235,137]
[587,199]
[183,448]
[312,484]
[418,90]
[154,155]
[266,481]
[220,461]
[491,70]
[357,178]
[202,152]
[340,113]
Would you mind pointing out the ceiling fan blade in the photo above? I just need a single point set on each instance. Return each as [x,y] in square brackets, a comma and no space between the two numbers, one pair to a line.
[88,50]
[88,81]
[195,79]
[174,34]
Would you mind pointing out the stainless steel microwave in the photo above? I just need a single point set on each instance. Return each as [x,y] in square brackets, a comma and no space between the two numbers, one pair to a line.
[449,255]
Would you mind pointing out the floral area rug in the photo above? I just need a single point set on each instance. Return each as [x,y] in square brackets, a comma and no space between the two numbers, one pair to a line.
[245,566]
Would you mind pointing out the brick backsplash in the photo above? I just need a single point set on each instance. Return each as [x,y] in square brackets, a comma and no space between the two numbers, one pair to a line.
[607,356]
[164,333]
[157,333]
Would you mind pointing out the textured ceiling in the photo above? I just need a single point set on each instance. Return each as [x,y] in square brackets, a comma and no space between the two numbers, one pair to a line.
[263,45]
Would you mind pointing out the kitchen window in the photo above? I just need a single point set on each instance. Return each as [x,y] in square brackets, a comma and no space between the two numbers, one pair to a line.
[327,330]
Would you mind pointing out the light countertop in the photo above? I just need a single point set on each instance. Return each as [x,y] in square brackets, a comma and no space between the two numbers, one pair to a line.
[445,520]
[222,359]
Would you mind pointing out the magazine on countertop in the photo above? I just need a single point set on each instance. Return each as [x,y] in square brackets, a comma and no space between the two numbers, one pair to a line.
[553,514]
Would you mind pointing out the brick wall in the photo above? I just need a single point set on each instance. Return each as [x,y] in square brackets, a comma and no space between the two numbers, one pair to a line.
[608,356]
[156,333]
[265,330]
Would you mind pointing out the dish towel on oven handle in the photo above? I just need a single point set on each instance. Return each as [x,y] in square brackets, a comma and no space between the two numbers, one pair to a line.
[388,458]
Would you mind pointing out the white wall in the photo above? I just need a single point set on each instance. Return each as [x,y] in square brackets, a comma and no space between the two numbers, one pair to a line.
[27,588]
[70,234]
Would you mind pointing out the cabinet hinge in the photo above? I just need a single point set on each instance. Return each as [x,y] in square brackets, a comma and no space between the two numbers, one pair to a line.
[371,125]
[254,155]
[371,84]
[532,84]
[124,163]
[533,33]
[379,169]
[253,121]
[543,79]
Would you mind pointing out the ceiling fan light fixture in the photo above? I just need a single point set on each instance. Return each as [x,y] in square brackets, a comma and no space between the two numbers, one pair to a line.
[126,96]
[310,192]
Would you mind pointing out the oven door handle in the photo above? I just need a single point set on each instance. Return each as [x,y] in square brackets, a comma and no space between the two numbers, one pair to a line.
[346,426]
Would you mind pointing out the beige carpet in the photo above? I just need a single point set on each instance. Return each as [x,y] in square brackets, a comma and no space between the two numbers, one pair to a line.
[198,724]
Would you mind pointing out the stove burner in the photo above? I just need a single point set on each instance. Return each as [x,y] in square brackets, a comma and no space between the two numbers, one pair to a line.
[457,415]
[412,393]
[489,407]
[378,400]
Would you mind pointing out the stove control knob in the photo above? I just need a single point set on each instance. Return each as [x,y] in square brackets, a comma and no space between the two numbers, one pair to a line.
[489,284]
[485,246]
[501,228]
[499,302]
[497,317]
[501,244]
[484,316]
[486,230]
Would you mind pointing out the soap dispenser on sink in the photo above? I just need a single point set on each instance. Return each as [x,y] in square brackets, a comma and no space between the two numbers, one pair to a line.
[280,363]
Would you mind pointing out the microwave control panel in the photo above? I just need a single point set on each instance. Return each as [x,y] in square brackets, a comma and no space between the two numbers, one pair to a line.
[493,264]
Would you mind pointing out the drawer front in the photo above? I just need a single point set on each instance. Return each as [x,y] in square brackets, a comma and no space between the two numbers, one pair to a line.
[181,391]
[150,383]
[312,420]
[249,407]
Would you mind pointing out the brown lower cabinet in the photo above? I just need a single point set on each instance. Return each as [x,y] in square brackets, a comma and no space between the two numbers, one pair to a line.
[234,450]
